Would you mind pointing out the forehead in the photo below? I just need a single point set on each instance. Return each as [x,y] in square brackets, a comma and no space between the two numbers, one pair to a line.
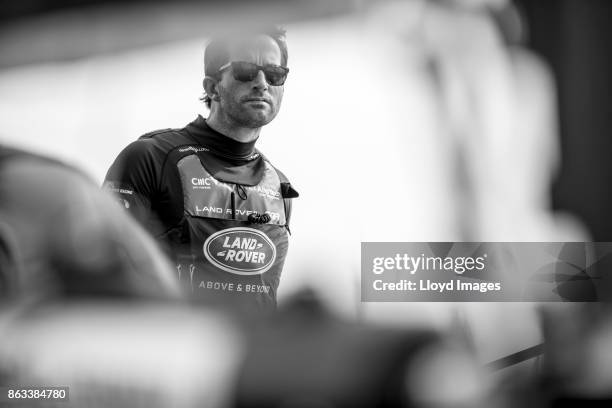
[261,49]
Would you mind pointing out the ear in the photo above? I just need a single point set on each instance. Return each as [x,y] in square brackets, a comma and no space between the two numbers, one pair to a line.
[210,87]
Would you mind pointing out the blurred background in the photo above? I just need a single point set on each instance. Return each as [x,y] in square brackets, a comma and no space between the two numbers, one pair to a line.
[414,120]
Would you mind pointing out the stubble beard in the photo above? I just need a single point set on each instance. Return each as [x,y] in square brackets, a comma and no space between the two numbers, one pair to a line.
[240,116]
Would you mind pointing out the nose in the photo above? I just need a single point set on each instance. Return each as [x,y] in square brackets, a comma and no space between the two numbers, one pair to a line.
[259,82]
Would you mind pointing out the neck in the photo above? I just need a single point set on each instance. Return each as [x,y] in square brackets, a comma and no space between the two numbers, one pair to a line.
[220,123]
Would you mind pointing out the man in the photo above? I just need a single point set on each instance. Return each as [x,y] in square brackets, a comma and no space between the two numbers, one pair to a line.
[213,200]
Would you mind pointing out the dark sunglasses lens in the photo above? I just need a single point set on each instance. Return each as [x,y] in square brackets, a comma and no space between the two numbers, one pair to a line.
[244,71]
[247,71]
[275,75]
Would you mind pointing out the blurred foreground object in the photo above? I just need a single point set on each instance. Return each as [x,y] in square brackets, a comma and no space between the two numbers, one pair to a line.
[144,354]
[61,236]
[121,354]
[307,358]
[42,31]
[577,365]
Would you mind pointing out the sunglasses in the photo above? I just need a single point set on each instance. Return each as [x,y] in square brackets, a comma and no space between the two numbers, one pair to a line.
[247,71]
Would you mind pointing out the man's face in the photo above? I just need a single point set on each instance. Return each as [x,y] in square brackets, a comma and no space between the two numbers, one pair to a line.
[255,103]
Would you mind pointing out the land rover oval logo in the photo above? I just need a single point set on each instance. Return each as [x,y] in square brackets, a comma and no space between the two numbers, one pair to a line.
[243,251]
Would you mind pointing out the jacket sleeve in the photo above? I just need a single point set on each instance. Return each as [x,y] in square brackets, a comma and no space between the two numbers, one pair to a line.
[134,179]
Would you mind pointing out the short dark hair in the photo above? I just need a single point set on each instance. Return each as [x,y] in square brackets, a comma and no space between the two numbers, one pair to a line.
[216,53]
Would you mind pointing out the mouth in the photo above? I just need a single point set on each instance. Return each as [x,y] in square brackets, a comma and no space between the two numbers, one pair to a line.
[258,100]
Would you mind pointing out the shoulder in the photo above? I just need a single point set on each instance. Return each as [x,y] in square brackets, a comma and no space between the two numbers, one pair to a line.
[167,139]
[143,164]
[286,188]
[283,178]
[154,146]
[161,136]
[157,142]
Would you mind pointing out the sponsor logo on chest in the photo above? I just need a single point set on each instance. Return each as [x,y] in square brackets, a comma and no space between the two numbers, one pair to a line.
[240,250]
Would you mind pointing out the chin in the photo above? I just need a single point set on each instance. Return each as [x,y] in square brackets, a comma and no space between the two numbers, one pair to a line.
[259,119]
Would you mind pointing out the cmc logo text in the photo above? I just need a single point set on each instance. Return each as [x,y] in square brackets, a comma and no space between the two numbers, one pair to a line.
[204,181]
